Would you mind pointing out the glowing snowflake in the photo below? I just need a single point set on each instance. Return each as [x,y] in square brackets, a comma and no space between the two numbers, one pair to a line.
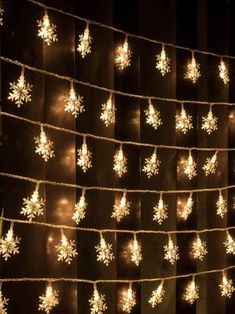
[210,165]
[122,209]
[221,206]
[136,255]
[199,249]
[190,167]
[226,287]
[223,72]
[9,245]
[123,56]
[229,244]
[108,112]
[44,146]
[183,121]
[3,303]
[191,292]
[120,163]
[193,70]
[129,300]
[163,62]
[153,117]
[104,251]
[33,206]
[209,122]
[152,165]
[48,300]
[97,303]
[171,252]
[80,210]
[84,157]
[157,295]
[73,103]
[47,30]
[160,211]
[85,40]
[66,250]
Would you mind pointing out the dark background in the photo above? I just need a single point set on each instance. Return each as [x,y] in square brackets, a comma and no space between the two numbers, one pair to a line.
[207,25]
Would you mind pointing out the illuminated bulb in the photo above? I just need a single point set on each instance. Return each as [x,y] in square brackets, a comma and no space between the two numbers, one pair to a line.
[163,62]
[123,55]
[229,244]
[1,16]
[193,70]
[191,292]
[104,251]
[171,251]
[160,211]
[97,302]
[153,117]
[10,244]
[48,300]
[84,46]
[47,30]
[66,250]
[73,102]
[80,209]
[183,121]
[223,72]
[120,163]
[210,165]
[20,91]
[190,167]
[44,146]
[129,300]
[152,165]
[136,255]
[157,295]
[226,287]
[84,157]
[3,302]
[221,206]
[187,208]
[199,249]
[209,122]
[122,209]
[33,206]
[108,112]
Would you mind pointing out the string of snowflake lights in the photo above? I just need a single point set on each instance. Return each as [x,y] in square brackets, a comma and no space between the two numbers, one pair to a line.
[97,302]
[152,164]
[123,55]
[128,299]
[191,292]
[199,249]
[9,245]
[190,167]
[48,300]
[171,251]
[66,250]
[1,16]
[47,30]
[136,254]
[74,102]
[211,164]
[80,208]
[153,116]
[108,111]
[160,211]
[183,121]
[184,211]
[44,146]
[229,244]
[226,286]
[20,91]
[121,209]
[163,62]
[84,156]
[3,301]
[33,206]
[223,72]
[221,206]
[120,162]
[209,122]
[192,70]
[157,295]
[104,251]
[85,40]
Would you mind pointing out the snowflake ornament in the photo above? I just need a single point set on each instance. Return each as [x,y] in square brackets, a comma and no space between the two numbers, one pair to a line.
[122,209]
[66,250]
[80,209]
[210,165]
[187,208]
[73,102]
[190,167]
[152,165]
[123,56]
[85,40]
[47,30]
[104,251]
[153,117]
[199,249]
[229,244]
[108,112]
[163,62]
[49,300]
[191,292]
[33,206]
[97,302]
[9,245]
[223,72]
[209,122]
[136,255]
[44,146]
[3,303]
[160,211]
[84,157]
[183,121]
[226,287]
[128,300]
[157,295]
[120,163]
[171,251]
[193,70]
[221,206]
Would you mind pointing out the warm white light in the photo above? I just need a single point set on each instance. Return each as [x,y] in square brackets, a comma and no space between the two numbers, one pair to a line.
[209,122]
[3,302]
[9,245]
[104,251]
[136,255]
[44,146]
[229,244]
[199,249]
[193,70]
[1,16]
[157,295]
[122,209]
[74,102]
[221,206]
[66,250]
[48,300]
[153,116]
[123,55]
[223,72]
[160,211]
[183,121]
[80,209]
[97,302]
[47,30]
[84,156]
[120,163]
[129,300]
[163,62]
[187,208]
[190,167]
[108,112]
[191,292]
[171,251]
[152,164]
[211,164]
[85,39]
[226,287]
[20,91]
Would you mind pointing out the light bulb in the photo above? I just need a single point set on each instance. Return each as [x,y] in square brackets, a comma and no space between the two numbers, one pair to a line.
[48,300]
[80,209]
[74,102]
[84,157]
[153,117]
[66,250]
[104,251]
[9,245]
[160,211]
[85,40]
[211,164]
[128,300]
[221,206]
[163,62]
[3,302]
[190,167]
[209,122]
[47,30]
[136,255]
[20,91]
[223,72]
[97,302]
[193,70]
[44,146]
[157,295]
[152,165]
[108,112]
[33,206]
[226,287]
[229,244]
[120,163]
[123,55]
[171,251]
[187,208]
[122,209]
[1,16]
[199,249]
[183,121]
[191,292]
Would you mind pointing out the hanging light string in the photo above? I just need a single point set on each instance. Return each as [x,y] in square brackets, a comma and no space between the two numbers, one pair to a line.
[109,90]
[92,22]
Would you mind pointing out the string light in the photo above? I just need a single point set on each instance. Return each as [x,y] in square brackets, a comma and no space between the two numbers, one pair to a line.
[10,244]
[226,286]
[190,167]
[136,255]
[211,164]
[199,249]
[47,30]
[20,91]
[223,72]
[171,251]
[108,111]
[85,40]
[73,102]
[44,146]
[1,16]
[128,300]
[123,55]
[120,163]
[221,205]
[229,244]
[160,211]
[163,62]
[97,302]
[209,122]
[104,251]
[191,292]
[3,302]
[66,250]
[187,208]
[157,295]
[193,70]
[48,300]
[80,208]
[153,116]
[183,121]
[84,156]
[152,164]
[122,209]
[33,206]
